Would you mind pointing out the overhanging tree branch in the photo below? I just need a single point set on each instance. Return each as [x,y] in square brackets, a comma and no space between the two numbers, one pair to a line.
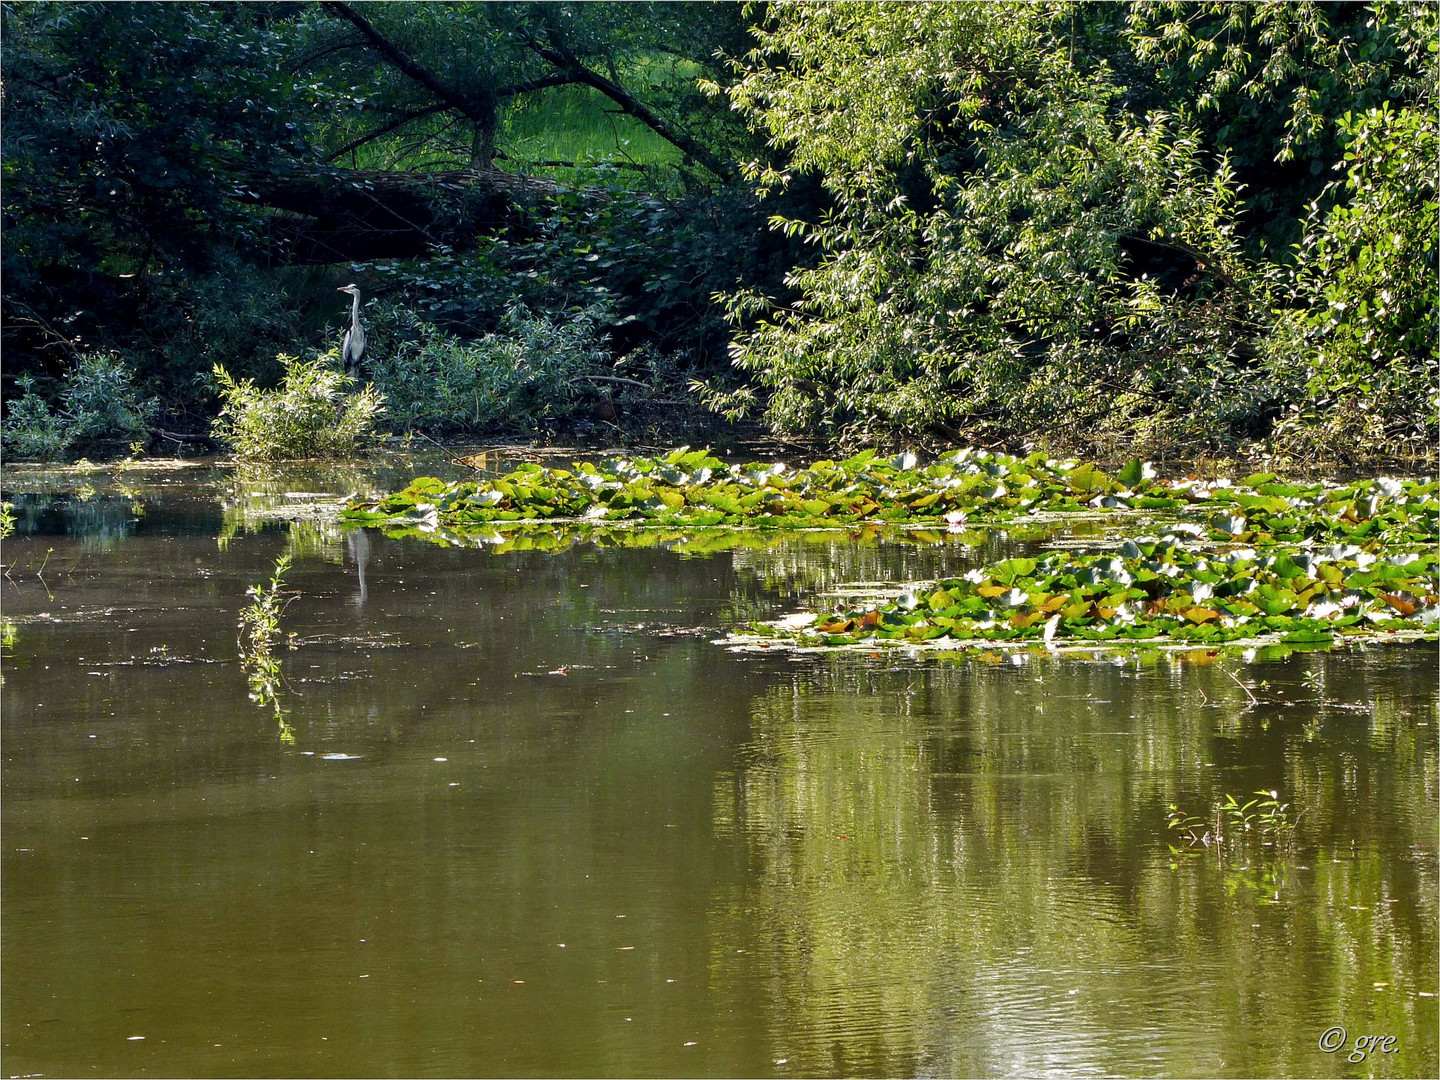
[569,69]
[383,45]
[561,57]
[560,78]
[385,129]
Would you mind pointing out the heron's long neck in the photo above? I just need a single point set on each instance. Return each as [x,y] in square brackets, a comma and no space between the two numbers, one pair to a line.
[355,310]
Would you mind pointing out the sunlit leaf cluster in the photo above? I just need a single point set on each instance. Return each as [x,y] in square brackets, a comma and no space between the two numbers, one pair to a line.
[1150,590]
[1221,560]
[968,487]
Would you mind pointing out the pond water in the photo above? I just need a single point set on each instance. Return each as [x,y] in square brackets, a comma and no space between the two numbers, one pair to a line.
[535,821]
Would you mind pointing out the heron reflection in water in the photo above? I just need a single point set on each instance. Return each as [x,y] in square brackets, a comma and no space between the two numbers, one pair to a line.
[357,542]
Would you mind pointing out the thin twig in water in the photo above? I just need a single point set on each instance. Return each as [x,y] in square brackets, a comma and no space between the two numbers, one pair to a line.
[450,457]
[1253,699]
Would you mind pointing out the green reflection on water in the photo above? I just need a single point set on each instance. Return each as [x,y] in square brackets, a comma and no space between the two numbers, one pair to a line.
[849,865]
[975,862]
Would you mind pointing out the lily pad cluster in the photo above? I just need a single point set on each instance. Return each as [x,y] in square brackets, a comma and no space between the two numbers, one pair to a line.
[1227,561]
[1151,590]
[695,489]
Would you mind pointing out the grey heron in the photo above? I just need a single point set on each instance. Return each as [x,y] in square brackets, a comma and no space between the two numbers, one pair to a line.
[355,336]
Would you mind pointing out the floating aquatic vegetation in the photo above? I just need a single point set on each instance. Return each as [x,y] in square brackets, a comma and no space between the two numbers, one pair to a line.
[1150,591]
[557,536]
[1257,559]
[1261,819]
[692,488]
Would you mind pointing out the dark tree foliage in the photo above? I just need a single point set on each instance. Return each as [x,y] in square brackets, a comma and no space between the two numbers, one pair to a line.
[128,131]
[1175,223]
[170,169]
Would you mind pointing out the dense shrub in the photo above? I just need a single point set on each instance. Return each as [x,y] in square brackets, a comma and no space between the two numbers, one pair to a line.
[1038,229]
[644,269]
[532,369]
[99,408]
[312,414]
[32,432]
[1359,336]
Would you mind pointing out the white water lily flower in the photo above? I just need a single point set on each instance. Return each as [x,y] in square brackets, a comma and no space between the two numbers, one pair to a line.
[798,621]
[975,577]
[1230,523]
[1429,615]
[1125,613]
[1388,486]
[1203,590]
[1325,609]
[1365,559]
[1014,598]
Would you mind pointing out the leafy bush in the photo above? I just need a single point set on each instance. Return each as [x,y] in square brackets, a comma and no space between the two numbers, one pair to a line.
[533,369]
[103,405]
[1032,236]
[311,414]
[643,268]
[1363,329]
[100,407]
[32,432]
